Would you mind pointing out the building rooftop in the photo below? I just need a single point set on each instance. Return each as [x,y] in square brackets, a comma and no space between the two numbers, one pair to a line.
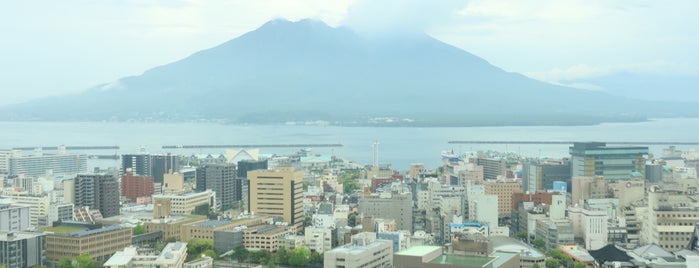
[577,253]
[418,250]
[453,259]
[62,229]
[4,236]
[508,244]
[212,223]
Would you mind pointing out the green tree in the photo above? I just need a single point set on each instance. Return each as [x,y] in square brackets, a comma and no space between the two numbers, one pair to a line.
[85,261]
[539,243]
[316,257]
[579,265]
[65,262]
[240,253]
[352,219]
[282,256]
[552,263]
[139,229]
[197,246]
[211,253]
[299,257]
[536,265]
[522,235]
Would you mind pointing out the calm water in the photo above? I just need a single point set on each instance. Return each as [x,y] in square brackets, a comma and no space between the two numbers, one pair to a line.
[398,146]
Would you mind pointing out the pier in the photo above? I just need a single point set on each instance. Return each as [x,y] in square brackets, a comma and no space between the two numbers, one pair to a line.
[302,145]
[54,148]
[571,142]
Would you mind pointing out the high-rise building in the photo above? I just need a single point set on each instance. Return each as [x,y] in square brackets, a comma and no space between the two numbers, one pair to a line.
[503,188]
[133,187]
[492,167]
[540,175]
[277,192]
[219,178]
[98,191]
[138,163]
[242,182]
[613,163]
[162,164]
[588,188]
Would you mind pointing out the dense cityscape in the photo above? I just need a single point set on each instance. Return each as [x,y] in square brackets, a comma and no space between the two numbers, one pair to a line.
[602,206]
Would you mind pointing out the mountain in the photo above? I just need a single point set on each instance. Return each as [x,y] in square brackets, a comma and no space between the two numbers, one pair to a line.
[306,70]
[645,86]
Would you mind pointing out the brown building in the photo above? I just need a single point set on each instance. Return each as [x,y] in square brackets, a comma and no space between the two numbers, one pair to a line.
[540,197]
[503,188]
[589,187]
[172,226]
[268,237]
[133,187]
[205,229]
[277,192]
[75,239]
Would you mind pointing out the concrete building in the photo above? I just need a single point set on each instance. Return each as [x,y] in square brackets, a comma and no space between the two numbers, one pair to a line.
[538,175]
[590,225]
[503,189]
[71,240]
[364,251]
[613,163]
[540,197]
[22,249]
[669,218]
[492,167]
[173,183]
[396,206]
[277,192]
[98,191]
[38,207]
[133,187]
[528,256]
[139,164]
[13,218]
[268,237]
[436,257]
[227,240]
[206,229]
[320,239]
[594,187]
[162,164]
[555,232]
[171,227]
[37,164]
[173,255]
[182,204]
[219,178]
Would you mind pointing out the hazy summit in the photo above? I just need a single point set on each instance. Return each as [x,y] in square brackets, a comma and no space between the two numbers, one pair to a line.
[306,70]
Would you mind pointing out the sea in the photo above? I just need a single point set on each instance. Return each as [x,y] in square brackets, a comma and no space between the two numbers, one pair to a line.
[397,146]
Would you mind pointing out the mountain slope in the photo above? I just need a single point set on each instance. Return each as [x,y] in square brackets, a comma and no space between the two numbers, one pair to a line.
[306,70]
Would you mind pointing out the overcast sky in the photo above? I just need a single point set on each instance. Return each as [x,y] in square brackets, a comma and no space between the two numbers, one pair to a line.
[58,47]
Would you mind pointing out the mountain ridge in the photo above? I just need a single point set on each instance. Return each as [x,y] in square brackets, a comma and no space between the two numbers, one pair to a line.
[306,70]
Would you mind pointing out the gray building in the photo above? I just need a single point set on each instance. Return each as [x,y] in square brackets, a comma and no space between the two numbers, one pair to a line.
[398,207]
[38,163]
[492,167]
[539,175]
[589,159]
[654,172]
[98,191]
[220,178]
[22,249]
[227,240]
[13,218]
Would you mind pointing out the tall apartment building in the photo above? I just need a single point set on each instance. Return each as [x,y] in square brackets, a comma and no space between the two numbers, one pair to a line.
[133,187]
[98,191]
[162,164]
[539,175]
[138,163]
[395,206]
[22,249]
[219,178]
[591,225]
[504,189]
[277,192]
[613,163]
[38,207]
[38,163]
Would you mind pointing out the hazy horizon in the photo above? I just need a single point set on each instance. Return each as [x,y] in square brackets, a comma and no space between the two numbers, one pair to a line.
[70,46]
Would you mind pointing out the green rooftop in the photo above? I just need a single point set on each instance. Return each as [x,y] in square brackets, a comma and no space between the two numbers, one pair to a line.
[462,260]
[418,250]
[61,229]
